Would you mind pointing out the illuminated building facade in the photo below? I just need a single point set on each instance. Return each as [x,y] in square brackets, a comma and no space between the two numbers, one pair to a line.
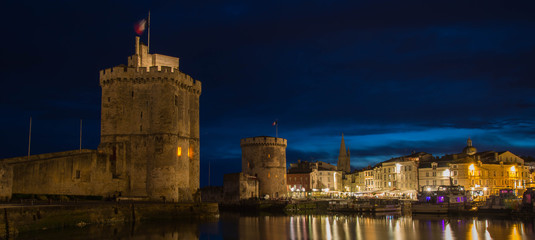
[483,173]
[308,177]
[434,174]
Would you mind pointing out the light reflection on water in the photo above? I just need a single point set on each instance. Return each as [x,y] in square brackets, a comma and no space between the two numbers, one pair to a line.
[382,227]
[236,226]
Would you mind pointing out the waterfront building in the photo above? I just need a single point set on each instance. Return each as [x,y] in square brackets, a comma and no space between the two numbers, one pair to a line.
[329,180]
[485,173]
[397,176]
[355,182]
[482,173]
[302,178]
[329,177]
[317,178]
[349,182]
[368,175]
[432,174]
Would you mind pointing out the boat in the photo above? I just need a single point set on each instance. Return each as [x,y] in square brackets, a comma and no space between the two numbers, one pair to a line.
[369,205]
[443,200]
[504,203]
[528,200]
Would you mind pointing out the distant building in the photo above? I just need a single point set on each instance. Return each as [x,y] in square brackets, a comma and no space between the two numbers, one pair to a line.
[397,175]
[482,173]
[307,178]
[330,180]
[433,174]
[302,178]
[486,173]
[239,186]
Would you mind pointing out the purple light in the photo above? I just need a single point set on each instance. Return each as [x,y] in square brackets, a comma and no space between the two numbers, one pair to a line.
[440,199]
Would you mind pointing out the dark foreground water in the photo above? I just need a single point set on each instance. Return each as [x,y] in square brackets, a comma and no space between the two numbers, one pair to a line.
[234,226]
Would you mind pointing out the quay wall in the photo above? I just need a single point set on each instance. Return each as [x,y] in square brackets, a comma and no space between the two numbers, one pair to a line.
[18,219]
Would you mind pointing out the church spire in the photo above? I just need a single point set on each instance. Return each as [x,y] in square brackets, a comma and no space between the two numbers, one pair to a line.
[343,147]
[343,157]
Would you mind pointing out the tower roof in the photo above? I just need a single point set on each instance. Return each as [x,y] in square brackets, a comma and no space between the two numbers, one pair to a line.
[343,147]
[469,149]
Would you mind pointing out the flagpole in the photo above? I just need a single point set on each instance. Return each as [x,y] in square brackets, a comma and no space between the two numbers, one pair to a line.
[277,129]
[30,138]
[148,40]
[80,135]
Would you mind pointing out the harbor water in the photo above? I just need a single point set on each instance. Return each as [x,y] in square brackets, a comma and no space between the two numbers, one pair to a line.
[306,226]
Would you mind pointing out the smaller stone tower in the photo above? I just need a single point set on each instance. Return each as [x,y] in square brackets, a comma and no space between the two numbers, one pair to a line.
[265,158]
[344,162]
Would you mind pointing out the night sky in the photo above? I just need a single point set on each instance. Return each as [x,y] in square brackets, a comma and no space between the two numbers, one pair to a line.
[393,76]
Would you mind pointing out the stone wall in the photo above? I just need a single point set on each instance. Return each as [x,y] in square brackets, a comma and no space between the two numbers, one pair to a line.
[212,194]
[239,186]
[265,158]
[6,181]
[63,173]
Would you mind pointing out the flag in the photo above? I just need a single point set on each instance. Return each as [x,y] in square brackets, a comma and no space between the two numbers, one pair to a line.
[139,27]
[275,123]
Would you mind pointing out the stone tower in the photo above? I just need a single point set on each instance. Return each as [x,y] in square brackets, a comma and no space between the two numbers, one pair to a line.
[265,158]
[344,158]
[150,126]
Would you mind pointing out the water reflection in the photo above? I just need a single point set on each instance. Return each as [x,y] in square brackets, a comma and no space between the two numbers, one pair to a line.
[380,227]
[155,230]
[369,227]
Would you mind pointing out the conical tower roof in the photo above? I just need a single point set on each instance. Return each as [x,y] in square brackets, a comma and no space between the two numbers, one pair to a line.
[343,147]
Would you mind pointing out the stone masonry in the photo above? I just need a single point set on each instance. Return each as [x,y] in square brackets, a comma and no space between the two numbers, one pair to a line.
[149,144]
[150,126]
[265,158]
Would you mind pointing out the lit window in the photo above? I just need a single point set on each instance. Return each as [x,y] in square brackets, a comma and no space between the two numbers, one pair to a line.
[190,152]
[179,151]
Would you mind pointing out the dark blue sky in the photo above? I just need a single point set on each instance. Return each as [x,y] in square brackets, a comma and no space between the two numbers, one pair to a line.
[393,76]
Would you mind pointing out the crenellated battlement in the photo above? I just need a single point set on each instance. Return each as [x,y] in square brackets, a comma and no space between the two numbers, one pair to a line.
[264,140]
[151,74]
